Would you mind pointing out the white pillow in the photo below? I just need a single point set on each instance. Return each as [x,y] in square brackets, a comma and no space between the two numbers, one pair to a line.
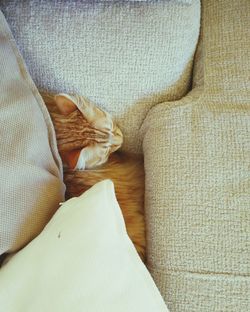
[82,261]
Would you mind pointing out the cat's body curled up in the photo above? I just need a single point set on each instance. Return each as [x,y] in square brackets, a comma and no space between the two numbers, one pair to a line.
[86,138]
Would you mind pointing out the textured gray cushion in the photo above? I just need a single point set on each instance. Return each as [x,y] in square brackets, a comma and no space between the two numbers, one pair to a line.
[124,56]
[197,156]
[31,184]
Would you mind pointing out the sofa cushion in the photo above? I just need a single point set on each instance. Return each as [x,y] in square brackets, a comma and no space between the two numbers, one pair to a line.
[82,261]
[30,168]
[181,1]
[197,156]
[124,56]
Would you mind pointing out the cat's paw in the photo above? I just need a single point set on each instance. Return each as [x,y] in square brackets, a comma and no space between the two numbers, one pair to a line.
[80,165]
[74,160]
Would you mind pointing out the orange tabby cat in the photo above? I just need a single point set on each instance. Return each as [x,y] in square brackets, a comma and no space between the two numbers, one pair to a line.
[86,136]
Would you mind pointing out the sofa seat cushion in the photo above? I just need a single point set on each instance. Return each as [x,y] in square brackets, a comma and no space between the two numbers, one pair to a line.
[124,56]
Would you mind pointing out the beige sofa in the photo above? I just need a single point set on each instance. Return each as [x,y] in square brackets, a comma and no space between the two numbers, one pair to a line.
[187,112]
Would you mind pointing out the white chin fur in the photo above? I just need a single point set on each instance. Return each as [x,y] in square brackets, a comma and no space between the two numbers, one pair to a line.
[81,162]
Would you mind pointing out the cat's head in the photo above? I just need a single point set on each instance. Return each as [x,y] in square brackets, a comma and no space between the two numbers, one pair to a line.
[87,135]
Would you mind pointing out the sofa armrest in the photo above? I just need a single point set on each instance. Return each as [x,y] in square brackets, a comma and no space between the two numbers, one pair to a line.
[197,155]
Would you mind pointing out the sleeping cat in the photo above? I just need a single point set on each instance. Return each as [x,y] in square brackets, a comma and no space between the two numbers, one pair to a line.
[86,137]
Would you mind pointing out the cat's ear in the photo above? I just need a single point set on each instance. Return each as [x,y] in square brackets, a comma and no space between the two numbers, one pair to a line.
[65,103]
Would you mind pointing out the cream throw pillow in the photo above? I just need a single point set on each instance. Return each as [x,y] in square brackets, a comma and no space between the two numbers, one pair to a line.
[82,261]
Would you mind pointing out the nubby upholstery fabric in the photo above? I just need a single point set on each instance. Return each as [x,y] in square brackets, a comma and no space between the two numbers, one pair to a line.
[31,184]
[197,156]
[125,56]
[135,60]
